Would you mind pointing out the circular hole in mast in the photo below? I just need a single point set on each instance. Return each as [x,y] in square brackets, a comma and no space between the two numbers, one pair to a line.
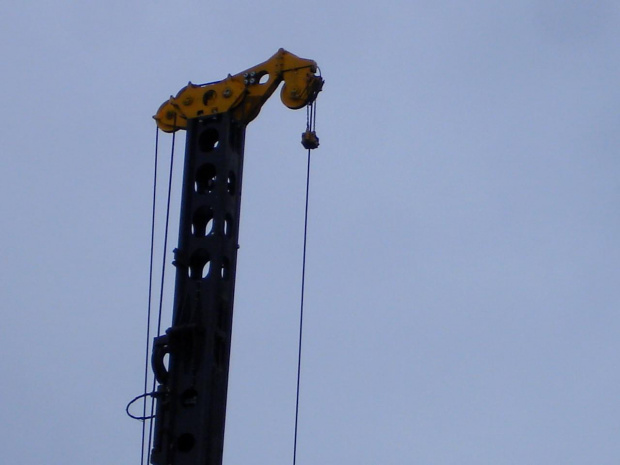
[208,140]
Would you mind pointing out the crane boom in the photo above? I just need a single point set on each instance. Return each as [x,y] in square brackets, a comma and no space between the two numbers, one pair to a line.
[192,386]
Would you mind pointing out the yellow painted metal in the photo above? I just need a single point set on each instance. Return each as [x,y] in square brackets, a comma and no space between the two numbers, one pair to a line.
[245,93]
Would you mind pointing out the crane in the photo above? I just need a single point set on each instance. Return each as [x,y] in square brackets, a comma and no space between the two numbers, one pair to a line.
[192,385]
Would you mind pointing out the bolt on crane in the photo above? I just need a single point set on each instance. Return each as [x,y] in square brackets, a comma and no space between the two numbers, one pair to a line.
[192,385]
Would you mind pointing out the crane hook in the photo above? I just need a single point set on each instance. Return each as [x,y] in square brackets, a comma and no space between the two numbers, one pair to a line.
[309,140]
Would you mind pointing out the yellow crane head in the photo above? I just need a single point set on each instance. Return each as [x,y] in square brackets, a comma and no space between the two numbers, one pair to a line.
[244,93]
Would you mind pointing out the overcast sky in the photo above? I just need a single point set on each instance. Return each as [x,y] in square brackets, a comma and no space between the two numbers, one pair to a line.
[462,278]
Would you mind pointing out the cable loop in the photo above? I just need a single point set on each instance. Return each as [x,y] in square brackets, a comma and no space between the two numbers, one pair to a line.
[154,395]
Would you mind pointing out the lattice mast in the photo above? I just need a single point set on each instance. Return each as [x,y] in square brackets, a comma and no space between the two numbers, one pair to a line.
[191,393]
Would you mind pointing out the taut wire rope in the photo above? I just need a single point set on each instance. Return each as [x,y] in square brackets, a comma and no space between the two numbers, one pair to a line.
[150,291]
[144,454]
[310,125]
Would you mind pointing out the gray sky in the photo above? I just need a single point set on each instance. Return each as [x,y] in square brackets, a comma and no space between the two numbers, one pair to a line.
[463,286]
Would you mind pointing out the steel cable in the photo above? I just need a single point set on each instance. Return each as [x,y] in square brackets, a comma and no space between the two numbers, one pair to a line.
[310,125]
[149,305]
[162,282]
[301,312]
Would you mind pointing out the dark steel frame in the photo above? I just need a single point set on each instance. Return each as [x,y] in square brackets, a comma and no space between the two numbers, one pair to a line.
[191,394]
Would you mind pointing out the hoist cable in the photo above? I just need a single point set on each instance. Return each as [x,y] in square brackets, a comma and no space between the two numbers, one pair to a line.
[314,115]
[309,125]
[163,261]
[301,311]
[149,305]
[163,272]
[308,117]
